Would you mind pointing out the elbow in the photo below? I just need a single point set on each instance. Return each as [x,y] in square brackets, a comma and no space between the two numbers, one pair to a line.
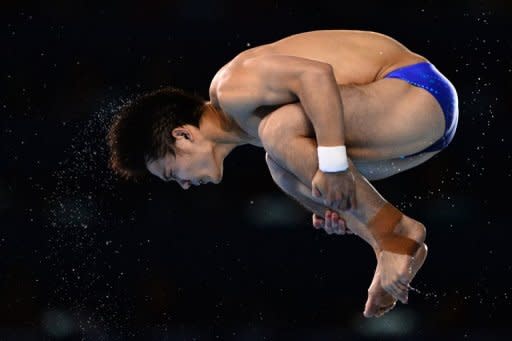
[317,74]
[317,78]
[320,69]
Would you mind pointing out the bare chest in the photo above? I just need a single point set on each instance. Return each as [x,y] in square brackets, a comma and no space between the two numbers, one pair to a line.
[251,122]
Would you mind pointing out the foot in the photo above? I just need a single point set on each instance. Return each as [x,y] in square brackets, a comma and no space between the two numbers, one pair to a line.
[398,270]
[379,300]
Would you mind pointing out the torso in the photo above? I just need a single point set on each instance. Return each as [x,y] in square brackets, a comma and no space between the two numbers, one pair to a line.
[357,57]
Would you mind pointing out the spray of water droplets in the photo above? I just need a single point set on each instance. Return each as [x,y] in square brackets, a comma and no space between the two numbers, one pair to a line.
[79,220]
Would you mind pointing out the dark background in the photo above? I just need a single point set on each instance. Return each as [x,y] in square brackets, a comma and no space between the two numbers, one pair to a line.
[86,255]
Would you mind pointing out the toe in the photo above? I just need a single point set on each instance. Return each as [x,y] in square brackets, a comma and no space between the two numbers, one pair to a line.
[404,278]
[393,291]
[367,314]
[383,310]
[401,286]
[401,294]
[370,307]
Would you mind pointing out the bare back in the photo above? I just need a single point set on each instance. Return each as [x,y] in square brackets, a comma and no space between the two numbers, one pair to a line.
[357,57]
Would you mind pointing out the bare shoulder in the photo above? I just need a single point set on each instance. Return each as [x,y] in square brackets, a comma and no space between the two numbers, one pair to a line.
[241,87]
[232,68]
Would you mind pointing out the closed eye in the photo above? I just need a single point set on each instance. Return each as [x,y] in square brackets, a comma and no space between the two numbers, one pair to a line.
[168,177]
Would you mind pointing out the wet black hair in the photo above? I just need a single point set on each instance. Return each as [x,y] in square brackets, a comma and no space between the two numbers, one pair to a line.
[141,129]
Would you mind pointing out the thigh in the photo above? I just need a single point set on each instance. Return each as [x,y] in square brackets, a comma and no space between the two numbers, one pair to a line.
[382,169]
[389,118]
[383,120]
[283,126]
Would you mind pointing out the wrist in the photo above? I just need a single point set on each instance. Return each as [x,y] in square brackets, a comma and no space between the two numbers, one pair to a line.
[332,159]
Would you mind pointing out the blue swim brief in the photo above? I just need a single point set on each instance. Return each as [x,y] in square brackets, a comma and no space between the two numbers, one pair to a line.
[426,76]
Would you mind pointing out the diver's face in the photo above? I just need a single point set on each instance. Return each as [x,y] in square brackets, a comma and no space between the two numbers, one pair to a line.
[194,164]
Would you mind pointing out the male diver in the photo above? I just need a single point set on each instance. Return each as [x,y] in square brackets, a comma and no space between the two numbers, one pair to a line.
[333,109]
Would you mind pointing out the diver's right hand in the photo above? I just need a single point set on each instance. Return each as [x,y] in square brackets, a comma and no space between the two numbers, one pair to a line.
[332,223]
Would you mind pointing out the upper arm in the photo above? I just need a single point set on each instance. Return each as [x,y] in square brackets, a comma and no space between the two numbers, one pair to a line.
[268,80]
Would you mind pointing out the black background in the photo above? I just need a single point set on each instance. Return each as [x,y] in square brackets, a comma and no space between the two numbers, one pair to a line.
[86,255]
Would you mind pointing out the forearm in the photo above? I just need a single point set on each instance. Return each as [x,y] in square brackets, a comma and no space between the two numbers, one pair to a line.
[291,185]
[322,103]
[297,155]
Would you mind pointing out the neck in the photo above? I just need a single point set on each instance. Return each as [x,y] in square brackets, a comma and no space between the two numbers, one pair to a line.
[222,130]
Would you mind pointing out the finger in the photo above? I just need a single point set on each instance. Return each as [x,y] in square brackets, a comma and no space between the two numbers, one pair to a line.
[343,226]
[334,202]
[343,229]
[328,201]
[337,224]
[331,224]
[328,221]
[320,222]
[331,202]
[337,204]
[328,230]
[341,205]
[353,202]
[317,222]
[401,294]
[348,202]
[393,290]
[402,286]
[334,224]
[314,219]
[338,200]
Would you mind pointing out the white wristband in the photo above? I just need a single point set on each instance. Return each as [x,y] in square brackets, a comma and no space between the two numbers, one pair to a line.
[332,159]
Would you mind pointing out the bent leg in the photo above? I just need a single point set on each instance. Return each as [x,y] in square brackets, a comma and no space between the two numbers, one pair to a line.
[302,194]
[389,118]
[298,155]
[383,121]
[379,300]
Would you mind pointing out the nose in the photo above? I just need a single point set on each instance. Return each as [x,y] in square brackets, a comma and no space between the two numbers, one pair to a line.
[185,184]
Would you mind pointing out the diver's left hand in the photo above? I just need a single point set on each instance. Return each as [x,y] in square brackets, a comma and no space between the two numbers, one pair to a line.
[337,189]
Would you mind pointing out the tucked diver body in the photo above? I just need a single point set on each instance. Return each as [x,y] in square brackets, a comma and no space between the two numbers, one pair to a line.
[333,109]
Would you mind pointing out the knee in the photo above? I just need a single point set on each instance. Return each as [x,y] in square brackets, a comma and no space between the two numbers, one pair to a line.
[280,175]
[275,169]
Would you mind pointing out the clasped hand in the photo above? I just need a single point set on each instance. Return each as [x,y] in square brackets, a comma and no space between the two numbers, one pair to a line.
[337,189]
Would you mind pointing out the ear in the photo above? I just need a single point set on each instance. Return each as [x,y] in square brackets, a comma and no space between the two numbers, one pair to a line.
[182,132]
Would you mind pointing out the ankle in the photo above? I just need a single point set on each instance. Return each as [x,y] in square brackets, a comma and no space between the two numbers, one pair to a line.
[407,227]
